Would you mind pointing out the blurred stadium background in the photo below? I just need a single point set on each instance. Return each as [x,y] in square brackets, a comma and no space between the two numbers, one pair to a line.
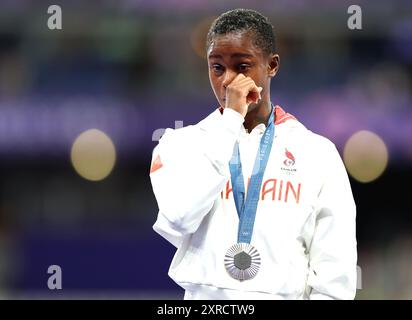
[81,107]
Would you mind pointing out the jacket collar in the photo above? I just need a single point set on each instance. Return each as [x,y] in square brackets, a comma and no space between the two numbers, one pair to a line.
[280,115]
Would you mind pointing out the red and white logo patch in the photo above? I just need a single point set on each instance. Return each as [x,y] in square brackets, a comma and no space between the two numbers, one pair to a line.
[290,159]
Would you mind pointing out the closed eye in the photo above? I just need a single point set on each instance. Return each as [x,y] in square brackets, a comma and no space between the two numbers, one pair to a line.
[217,67]
[243,67]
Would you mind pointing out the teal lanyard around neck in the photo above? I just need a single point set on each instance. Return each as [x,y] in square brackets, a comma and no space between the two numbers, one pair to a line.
[247,209]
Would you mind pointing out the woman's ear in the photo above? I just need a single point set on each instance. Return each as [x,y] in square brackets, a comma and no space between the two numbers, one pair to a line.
[273,65]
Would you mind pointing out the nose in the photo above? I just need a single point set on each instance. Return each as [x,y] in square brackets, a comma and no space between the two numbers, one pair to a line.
[229,76]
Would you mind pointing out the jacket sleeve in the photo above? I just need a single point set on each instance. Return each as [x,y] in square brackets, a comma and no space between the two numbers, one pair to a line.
[333,252]
[188,171]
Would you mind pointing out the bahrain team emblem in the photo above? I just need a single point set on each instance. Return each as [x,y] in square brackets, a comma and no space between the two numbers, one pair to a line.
[290,159]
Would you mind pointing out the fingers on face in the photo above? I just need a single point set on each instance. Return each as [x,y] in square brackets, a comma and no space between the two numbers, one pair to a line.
[250,86]
[246,85]
[242,82]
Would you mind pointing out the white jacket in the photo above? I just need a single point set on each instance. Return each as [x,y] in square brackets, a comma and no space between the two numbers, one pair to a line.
[305,221]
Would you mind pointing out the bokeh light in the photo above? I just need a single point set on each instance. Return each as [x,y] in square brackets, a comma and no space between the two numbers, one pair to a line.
[93,155]
[365,156]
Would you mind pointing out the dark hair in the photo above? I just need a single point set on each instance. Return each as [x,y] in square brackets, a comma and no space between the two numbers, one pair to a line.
[239,20]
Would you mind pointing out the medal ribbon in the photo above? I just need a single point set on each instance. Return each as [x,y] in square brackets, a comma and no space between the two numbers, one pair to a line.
[246,210]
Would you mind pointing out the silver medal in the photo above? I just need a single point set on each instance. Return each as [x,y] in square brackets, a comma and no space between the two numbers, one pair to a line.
[242,261]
